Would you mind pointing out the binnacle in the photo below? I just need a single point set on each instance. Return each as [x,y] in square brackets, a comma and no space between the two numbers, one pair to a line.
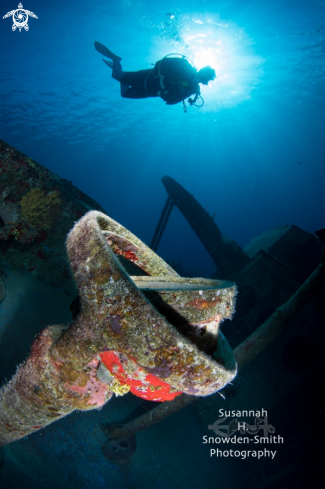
[156,335]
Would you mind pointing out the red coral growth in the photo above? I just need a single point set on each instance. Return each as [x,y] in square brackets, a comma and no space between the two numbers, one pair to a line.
[40,346]
[96,391]
[42,235]
[144,385]
[123,247]
[22,185]
[22,163]
[203,304]
[14,225]
[40,255]
[129,255]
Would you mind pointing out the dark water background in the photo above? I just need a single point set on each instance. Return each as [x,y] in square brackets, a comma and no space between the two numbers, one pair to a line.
[254,154]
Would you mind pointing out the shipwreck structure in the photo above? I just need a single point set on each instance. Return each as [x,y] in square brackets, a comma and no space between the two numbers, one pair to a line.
[268,271]
[139,327]
[37,210]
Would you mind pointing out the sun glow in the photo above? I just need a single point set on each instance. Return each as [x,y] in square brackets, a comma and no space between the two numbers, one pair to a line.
[228,50]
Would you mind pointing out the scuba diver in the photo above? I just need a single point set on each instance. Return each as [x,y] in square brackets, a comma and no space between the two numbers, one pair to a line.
[172,79]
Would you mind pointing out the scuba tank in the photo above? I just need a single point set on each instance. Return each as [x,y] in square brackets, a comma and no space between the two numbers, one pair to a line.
[175,72]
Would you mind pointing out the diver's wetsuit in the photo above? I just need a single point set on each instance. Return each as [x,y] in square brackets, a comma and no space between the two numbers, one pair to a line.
[172,79]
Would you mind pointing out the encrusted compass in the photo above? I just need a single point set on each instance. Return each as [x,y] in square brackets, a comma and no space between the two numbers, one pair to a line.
[155,335]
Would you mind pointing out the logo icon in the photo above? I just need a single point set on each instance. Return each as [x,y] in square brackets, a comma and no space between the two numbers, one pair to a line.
[20,18]
[261,423]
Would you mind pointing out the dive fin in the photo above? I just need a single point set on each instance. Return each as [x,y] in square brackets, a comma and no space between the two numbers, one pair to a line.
[106,52]
[109,63]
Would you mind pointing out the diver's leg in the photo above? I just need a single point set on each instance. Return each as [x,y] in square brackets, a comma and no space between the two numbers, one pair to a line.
[133,92]
[125,90]
[133,84]
[116,68]
[108,63]
[117,72]
[116,65]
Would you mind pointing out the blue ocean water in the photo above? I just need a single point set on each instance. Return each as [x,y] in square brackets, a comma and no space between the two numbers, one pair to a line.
[254,154]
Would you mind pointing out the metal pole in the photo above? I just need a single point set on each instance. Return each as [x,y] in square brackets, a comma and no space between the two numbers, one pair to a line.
[165,213]
[162,229]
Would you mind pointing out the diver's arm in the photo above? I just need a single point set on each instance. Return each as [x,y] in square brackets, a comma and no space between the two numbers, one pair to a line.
[176,98]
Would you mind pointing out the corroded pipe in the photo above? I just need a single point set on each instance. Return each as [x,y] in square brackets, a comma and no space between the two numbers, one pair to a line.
[148,419]
[282,317]
[119,341]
